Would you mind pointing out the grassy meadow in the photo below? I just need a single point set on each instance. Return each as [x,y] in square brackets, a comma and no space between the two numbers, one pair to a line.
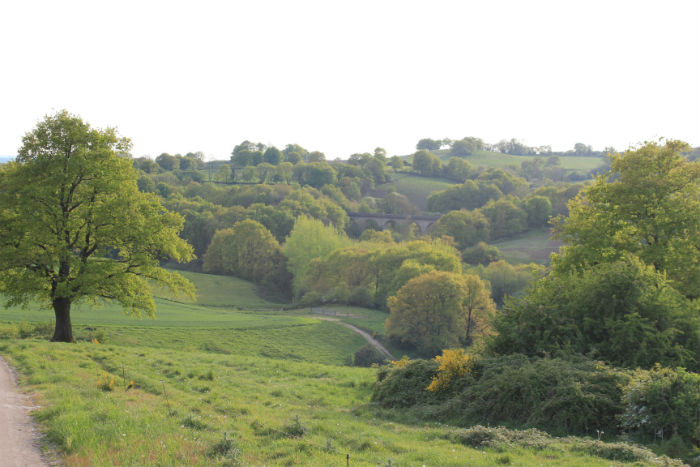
[417,188]
[534,246]
[221,386]
[499,160]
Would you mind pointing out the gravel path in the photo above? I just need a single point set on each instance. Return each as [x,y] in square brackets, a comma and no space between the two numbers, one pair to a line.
[19,439]
[364,334]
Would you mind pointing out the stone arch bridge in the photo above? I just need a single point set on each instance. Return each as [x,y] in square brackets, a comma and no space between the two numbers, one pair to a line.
[383,220]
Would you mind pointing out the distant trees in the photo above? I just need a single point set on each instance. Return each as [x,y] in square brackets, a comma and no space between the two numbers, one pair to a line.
[458,169]
[426,163]
[466,146]
[506,218]
[465,227]
[247,250]
[308,240]
[469,195]
[428,144]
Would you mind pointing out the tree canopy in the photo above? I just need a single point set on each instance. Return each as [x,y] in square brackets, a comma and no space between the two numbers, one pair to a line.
[438,310]
[74,226]
[647,204]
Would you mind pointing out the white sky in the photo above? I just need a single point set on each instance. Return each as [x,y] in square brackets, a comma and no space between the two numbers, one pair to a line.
[345,77]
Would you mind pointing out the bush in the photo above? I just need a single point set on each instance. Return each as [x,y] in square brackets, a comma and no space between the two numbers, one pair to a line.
[564,396]
[454,366]
[574,396]
[367,356]
[403,384]
[661,403]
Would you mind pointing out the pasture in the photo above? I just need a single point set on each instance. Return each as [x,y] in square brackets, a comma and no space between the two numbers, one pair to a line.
[534,246]
[499,160]
[221,386]
[416,187]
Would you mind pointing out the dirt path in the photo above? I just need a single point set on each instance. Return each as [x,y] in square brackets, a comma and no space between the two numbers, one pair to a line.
[367,337]
[19,445]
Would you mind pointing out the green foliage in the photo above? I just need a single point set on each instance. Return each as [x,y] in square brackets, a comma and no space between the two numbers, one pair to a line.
[481,253]
[507,280]
[429,144]
[661,403]
[538,209]
[458,169]
[404,385]
[74,225]
[367,356]
[248,250]
[502,439]
[506,218]
[561,396]
[437,310]
[310,239]
[465,227]
[622,312]
[647,205]
[469,195]
[426,163]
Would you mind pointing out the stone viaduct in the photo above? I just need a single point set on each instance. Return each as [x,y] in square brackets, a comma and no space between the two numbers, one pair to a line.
[383,220]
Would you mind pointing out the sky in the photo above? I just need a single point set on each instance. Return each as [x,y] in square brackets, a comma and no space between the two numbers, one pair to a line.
[348,76]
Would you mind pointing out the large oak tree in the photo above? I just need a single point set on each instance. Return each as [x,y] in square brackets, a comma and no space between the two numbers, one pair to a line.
[74,226]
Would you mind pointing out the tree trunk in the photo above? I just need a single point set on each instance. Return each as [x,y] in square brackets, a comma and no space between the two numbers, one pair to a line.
[64,330]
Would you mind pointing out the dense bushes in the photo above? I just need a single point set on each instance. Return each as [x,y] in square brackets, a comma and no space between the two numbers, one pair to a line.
[661,403]
[557,395]
[624,313]
[565,396]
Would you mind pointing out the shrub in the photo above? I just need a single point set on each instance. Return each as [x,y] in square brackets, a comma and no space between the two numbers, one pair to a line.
[564,396]
[294,429]
[574,396]
[106,382]
[367,356]
[404,386]
[662,402]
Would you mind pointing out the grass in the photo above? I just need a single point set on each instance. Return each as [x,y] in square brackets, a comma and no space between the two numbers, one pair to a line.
[417,188]
[534,247]
[221,386]
[198,407]
[221,291]
[499,160]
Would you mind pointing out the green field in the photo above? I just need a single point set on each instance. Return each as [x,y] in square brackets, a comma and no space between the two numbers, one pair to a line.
[499,160]
[533,247]
[221,291]
[214,386]
[417,188]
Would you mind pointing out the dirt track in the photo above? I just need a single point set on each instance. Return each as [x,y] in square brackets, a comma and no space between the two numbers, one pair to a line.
[367,337]
[18,436]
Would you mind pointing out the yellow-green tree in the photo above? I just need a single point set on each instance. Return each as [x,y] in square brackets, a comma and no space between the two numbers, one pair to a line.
[646,204]
[436,310]
[246,250]
[75,227]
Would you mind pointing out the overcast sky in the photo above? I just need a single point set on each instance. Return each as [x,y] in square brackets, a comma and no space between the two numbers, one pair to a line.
[346,77]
